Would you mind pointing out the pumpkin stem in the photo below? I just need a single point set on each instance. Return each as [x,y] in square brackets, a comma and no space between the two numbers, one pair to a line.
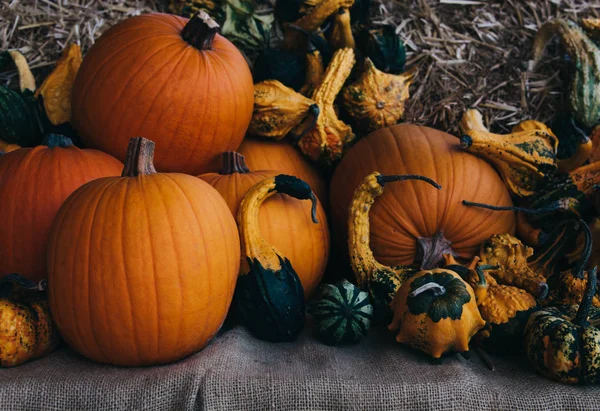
[57,140]
[430,250]
[383,180]
[140,158]
[587,250]
[586,302]
[233,162]
[435,287]
[560,205]
[200,31]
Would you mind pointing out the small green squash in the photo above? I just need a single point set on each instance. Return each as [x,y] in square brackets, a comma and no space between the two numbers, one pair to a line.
[563,342]
[342,313]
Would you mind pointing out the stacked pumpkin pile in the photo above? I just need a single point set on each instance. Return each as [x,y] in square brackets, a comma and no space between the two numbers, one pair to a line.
[144,255]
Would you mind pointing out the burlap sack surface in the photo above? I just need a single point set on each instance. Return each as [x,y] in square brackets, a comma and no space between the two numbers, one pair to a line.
[239,372]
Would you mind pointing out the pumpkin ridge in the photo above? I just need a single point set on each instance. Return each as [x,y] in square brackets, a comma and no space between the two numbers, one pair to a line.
[150,81]
[110,58]
[77,319]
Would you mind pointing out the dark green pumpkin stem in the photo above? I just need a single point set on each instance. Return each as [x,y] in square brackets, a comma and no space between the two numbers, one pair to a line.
[140,158]
[297,188]
[383,180]
[588,297]
[57,140]
[233,163]
[587,250]
[200,31]
[560,205]
[10,280]
[314,111]
[479,269]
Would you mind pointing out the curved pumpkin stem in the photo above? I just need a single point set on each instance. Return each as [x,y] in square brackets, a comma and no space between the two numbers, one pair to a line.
[254,246]
[233,163]
[8,282]
[57,140]
[140,158]
[587,250]
[363,262]
[586,302]
[200,31]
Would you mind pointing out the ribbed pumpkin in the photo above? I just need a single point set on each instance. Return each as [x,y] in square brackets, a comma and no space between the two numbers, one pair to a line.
[34,182]
[174,81]
[283,157]
[285,222]
[142,268]
[411,222]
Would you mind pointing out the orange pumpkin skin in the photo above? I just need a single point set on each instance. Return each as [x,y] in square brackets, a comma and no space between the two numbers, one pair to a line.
[406,212]
[142,78]
[283,157]
[34,182]
[142,269]
[285,223]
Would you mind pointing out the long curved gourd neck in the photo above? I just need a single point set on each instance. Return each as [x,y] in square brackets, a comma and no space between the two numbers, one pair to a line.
[587,251]
[140,158]
[359,227]
[254,246]
[581,318]
[200,31]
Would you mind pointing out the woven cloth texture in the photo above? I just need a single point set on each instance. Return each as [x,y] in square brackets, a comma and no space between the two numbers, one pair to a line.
[238,372]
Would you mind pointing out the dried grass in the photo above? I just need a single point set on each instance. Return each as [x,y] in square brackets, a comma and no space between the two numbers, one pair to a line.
[469,53]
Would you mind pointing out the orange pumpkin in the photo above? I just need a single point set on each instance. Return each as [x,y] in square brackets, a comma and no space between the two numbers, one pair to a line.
[410,224]
[175,81]
[283,157]
[285,222]
[142,268]
[34,182]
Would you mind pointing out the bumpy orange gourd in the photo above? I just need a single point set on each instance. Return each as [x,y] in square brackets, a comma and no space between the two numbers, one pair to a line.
[308,247]
[175,81]
[34,182]
[142,268]
[282,156]
[411,222]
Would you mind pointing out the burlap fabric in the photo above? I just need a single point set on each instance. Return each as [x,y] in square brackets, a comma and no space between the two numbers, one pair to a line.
[238,372]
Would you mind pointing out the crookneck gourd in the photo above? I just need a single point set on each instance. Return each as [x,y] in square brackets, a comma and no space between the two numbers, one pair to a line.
[269,297]
[20,120]
[56,89]
[325,141]
[294,33]
[435,311]
[278,109]
[27,330]
[342,313]
[381,281]
[563,343]
[584,94]
[314,71]
[505,308]
[377,99]
[341,32]
[522,158]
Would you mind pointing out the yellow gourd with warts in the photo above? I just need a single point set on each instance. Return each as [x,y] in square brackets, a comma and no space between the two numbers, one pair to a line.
[522,158]
[377,99]
[382,282]
[278,109]
[325,142]
[341,33]
[269,297]
[56,89]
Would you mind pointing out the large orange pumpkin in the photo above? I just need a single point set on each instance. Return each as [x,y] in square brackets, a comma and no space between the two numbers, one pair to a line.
[171,80]
[284,157]
[142,268]
[409,223]
[285,222]
[34,182]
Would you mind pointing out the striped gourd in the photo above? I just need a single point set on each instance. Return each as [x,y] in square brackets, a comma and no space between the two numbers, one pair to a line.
[342,313]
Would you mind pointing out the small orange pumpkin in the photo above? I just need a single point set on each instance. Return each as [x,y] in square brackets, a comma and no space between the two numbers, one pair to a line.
[142,268]
[34,182]
[308,247]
